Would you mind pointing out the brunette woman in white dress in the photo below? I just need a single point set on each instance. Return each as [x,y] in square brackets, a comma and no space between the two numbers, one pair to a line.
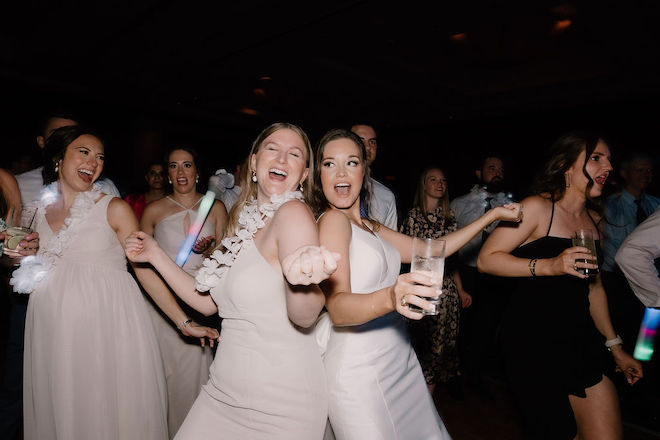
[267,379]
[92,364]
[168,221]
[375,384]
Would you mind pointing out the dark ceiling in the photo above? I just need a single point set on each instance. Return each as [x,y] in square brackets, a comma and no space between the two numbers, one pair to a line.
[468,67]
[398,63]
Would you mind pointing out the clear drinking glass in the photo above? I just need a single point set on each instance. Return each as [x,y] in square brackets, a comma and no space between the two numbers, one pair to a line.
[585,238]
[428,257]
[17,233]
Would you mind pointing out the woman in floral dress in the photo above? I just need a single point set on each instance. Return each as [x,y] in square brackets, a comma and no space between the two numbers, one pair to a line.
[435,337]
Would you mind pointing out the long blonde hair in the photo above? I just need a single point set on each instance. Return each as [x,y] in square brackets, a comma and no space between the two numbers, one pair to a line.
[249,188]
[420,194]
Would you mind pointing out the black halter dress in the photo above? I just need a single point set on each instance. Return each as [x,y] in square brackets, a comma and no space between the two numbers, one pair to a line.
[552,347]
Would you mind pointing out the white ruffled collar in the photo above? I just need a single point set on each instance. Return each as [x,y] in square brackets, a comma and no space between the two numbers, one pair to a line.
[33,269]
[251,218]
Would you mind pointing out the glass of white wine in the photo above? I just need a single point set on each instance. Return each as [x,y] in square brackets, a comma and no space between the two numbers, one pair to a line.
[585,238]
[428,257]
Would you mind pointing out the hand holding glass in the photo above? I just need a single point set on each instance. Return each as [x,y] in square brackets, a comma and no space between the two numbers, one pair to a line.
[17,233]
[585,238]
[428,257]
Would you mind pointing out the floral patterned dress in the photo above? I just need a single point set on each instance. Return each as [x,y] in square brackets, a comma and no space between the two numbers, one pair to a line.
[435,337]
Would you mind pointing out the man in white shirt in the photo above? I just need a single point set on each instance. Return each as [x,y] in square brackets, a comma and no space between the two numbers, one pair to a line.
[31,182]
[382,203]
[637,257]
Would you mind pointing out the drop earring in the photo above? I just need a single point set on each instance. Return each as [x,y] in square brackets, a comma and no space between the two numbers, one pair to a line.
[254,177]
[300,187]
[57,167]
[169,180]
[197,179]
[568,180]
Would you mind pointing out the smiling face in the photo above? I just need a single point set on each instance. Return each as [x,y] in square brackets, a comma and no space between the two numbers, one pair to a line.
[182,171]
[279,164]
[82,163]
[598,167]
[342,173]
[435,184]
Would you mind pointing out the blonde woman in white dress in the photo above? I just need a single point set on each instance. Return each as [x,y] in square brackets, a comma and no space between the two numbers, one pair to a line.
[267,380]
[375,384]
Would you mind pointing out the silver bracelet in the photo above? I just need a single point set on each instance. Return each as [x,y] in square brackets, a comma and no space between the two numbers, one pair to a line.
[184,324]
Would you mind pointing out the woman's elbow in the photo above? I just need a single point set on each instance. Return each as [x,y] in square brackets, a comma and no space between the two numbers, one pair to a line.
[482,262]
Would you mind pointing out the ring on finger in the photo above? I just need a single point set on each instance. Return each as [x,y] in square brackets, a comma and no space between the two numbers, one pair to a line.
[575,266]
[403,301]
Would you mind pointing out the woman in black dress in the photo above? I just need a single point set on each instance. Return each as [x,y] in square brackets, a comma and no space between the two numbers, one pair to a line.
[558,320]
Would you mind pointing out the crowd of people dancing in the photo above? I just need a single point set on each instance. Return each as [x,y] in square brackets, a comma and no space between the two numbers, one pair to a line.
[291,316]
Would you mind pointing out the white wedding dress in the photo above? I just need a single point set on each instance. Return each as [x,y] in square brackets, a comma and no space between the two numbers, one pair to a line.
[375,384]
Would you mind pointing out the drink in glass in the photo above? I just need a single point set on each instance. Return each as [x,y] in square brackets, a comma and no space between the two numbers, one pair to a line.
[17,233]
[585,238]
[429,258]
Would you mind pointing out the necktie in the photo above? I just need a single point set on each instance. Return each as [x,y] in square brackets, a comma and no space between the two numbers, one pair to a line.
[484,233]
[640,215]
[364,206]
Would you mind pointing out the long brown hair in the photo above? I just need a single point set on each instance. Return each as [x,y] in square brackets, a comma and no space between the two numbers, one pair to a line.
[551,181]
[318,201]
[420,194]
[249,188]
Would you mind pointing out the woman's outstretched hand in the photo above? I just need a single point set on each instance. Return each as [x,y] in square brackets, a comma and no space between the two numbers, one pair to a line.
[412,288]
[309,265]
[567,262]
[511,212]
[140,247]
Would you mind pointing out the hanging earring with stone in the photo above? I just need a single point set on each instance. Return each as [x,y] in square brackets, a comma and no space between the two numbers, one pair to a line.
[197,179]
[169,180]
[57,167]
[254,176]
[568,180]
[300,187]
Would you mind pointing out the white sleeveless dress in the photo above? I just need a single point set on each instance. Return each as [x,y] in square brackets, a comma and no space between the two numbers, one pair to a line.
[186,361]
[266,381]
[375,384]
[92,365]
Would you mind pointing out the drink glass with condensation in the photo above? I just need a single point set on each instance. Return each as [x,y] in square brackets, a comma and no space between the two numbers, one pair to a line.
[585,238]
[428,257]
[17,233]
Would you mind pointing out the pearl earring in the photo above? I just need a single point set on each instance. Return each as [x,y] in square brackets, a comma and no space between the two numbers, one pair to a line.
[254,177]
[197,179]
[57,167]
[169,180]
[300,187]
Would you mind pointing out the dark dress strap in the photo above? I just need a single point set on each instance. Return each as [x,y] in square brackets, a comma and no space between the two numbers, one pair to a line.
[552,216]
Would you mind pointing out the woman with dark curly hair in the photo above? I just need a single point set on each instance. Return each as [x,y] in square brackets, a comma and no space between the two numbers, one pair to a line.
[557,320]
[435,337]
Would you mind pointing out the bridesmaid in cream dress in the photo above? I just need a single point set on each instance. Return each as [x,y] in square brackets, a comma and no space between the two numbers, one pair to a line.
[168,220]
[267,380]
[375,384]
[92,365]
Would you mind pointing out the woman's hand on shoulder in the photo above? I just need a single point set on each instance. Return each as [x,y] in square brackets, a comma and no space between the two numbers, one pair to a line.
[309,265]
[412,288]
[511,212]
